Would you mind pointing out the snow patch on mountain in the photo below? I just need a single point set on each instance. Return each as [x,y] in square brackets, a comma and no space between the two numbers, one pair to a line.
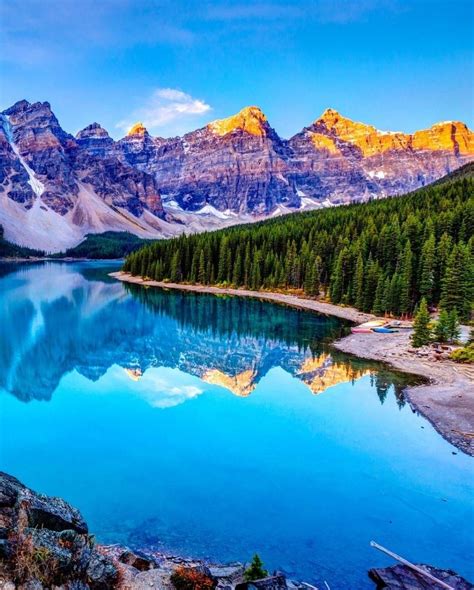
[210,210]
[36,185]
[377,174]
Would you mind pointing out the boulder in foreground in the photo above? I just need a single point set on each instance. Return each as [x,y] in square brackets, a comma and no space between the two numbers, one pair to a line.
[401,577]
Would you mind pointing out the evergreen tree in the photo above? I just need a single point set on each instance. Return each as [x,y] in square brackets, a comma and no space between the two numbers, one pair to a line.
[255,571]
[312,280]
[222,269]
[247,264]
[193,276]
[370,285]
[443,250]
[457,285]
[337,279]
[144,264]
[385,304]
[421,326]
[359,282]
[442,328]
[255,275]
[379,304]
[175,273]
[427,269]
[202,269]
[421,244]
[237,271]
[405,279]
[453,327]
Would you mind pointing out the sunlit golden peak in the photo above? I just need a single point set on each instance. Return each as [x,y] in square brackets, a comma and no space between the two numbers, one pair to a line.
[241,384]
[137,129]
[134,374]
[249,119]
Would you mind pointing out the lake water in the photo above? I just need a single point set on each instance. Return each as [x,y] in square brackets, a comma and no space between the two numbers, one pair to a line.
[219,427]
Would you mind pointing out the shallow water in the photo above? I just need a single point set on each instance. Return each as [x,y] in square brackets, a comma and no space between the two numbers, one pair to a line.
[218,427]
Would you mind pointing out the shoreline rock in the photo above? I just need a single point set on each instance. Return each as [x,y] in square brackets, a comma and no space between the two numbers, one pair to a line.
[400,577]
[45,542]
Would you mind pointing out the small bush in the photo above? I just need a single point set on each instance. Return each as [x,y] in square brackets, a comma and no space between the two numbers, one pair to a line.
[32,562]
[187,578]
[464,355]
[255,571]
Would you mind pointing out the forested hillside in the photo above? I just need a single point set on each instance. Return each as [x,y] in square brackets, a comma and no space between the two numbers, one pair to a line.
[109,244]
[9,250]
[382,256]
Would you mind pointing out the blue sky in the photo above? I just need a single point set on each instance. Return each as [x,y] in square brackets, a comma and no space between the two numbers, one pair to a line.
[400,65]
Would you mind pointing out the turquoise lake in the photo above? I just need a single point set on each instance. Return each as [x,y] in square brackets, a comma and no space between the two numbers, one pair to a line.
[218,427]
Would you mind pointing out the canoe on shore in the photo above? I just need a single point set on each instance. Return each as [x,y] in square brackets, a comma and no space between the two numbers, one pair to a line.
[373,324]
[368,327]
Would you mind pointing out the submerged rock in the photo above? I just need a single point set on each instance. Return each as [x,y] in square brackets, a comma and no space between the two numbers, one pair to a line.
[401,577]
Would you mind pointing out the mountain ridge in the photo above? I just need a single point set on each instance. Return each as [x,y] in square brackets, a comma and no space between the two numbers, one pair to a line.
[55,188]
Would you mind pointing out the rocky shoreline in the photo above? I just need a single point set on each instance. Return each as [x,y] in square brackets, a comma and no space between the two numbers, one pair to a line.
[446,400]
[45,544]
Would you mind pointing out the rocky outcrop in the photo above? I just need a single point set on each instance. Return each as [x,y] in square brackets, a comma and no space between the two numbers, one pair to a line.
[341,160]
[55,188]
[240,165]
[60,164]
[44,542]
[235,165]
[95,140]
[400,577]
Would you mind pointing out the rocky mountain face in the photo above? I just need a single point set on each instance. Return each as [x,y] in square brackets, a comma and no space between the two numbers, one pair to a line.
[342,161]
[236,165]
[53,191]
[54,187]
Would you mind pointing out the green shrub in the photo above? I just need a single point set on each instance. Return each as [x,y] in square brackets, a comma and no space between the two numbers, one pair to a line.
[464,355]
[255,571]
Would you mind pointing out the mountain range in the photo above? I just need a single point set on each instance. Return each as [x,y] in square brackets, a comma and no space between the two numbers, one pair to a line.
[56,188]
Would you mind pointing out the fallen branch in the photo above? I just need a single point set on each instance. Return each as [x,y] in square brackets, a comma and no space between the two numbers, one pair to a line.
[412,566]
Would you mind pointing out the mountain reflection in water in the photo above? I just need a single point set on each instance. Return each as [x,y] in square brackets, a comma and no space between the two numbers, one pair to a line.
[59,318]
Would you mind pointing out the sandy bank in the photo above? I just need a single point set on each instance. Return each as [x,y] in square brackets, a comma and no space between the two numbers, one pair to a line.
[447,400]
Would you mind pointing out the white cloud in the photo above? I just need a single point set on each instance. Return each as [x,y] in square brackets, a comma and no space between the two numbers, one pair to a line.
[169,397]
[164,388]
[166,106]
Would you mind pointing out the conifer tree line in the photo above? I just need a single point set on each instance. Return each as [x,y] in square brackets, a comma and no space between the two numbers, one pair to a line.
[381,257]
